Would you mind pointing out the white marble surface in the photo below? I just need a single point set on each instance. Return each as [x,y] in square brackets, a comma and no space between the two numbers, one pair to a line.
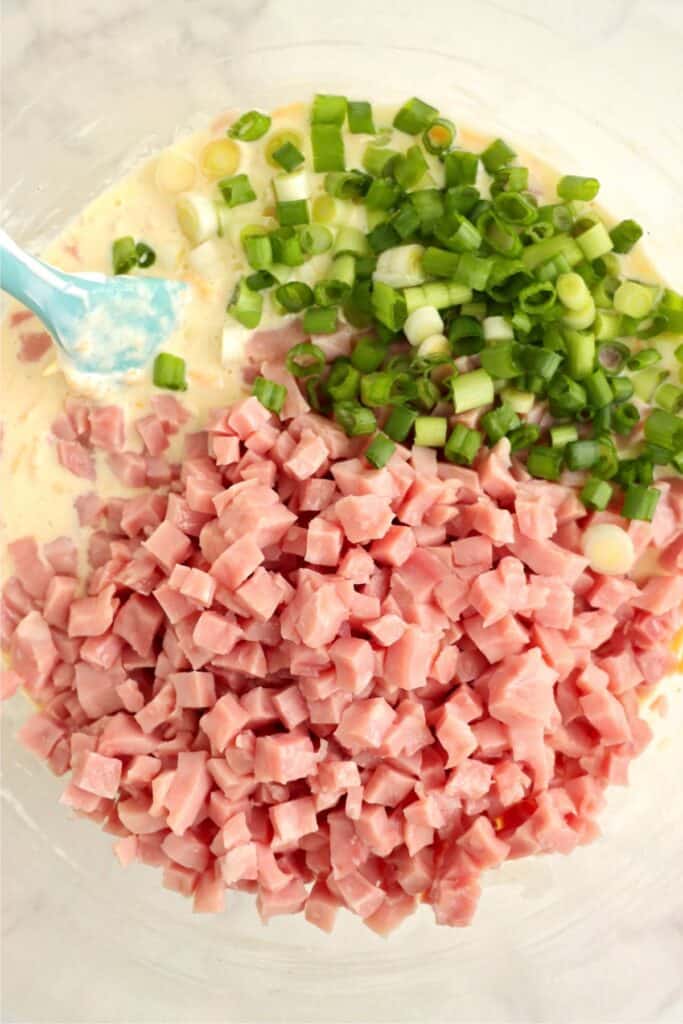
[88,86]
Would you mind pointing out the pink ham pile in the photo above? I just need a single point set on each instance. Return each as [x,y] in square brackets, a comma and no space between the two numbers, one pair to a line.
[331,685]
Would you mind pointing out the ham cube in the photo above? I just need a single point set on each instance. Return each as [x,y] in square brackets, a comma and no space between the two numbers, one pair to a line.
[237,562]
[189,788]
[353,660]
[408,660]
[323,542]
[194,689]
[364,724]
[521,690]
[168,545]
[33,652]
[293,819]
[364,518]
[223,722]
[97,774]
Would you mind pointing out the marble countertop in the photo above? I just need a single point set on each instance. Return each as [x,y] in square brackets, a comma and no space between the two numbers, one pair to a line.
[89,86]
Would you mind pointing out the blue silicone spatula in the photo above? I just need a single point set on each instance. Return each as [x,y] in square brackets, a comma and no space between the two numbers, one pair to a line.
[102,324]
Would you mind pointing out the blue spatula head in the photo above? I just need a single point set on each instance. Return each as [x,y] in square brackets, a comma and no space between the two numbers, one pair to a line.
[115,324]
[104,325]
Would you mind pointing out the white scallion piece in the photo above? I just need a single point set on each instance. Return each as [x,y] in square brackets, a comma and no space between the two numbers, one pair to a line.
[497,328]
[197,217]
[422,324]
[175,172]
[401,267]
[434,345]
[609,549]
[291,187]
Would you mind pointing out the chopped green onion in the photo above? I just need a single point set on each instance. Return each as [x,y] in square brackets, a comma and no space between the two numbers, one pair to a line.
[305,359]
[354,419]
[501,237]
[497,155]
[439,262]
[236,190]
[406,222]
[612,356]
[580,354]
[582,454]
[400,422]
[430,431]
[647,381]
[360,117]
[640,502]
[472,390]
[378,160]
[350,240]
[382,237]
[270,394]
[608,464]
[258,251]
[510,179]
[291,213]
[294,296]
[593,239]
[548,248]
[515,208]
[169,372]
[439,136]
[458,234]
[368,354]
[522,402]
[625,235]
[260,280]
[347,184]
[596,494]
[460,168]
[622,388]
[669,397]
[501,360]
[246,306]
[146,255]
[463,444]
[634,299]
[389,306]
[580,319]
[474,271]
[466,336]
[664,429]
[524,436]
[331,292]
[429,206]
[566,396]
[410,168]
[343,381]
[250,126]
[624,418]
[572,291]
[288,156]
[376,388]
[414,116]
[499,422]
[327,109]
[383,194]
[439,294]
[315,239]
[541,362]
[573,186]
[428,393]
[538,298]
[545,463]
[286,247]
[598,390]
[328,148]
[646,357]
[380,450]
[123,254]
[563,435]
[320,320]
[277,141]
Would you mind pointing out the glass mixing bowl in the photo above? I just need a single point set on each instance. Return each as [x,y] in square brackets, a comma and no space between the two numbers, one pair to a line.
[593,937]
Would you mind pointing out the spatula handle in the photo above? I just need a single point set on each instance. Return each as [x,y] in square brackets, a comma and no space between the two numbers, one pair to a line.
[28,279]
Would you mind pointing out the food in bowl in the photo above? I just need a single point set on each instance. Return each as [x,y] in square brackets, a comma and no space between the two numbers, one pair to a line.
[367,585]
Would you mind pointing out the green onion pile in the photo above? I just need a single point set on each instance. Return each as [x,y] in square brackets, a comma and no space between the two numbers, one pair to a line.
[470,298]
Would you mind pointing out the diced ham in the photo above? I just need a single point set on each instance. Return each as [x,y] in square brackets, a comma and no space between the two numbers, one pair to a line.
[97,774]
[33,346]
[33,652]
[107,427]
[365,518]
[223,722]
